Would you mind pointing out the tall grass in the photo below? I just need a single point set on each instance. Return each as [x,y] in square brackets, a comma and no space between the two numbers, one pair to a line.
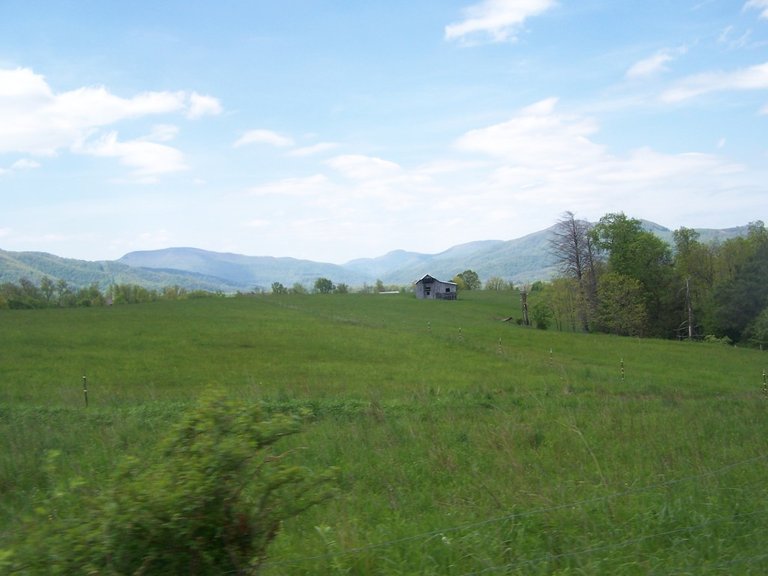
[467,445]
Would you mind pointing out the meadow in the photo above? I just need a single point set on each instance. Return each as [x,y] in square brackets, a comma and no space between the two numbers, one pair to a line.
[465,444]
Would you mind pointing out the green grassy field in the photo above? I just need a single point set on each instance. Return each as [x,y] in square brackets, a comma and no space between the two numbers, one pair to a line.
[467,445]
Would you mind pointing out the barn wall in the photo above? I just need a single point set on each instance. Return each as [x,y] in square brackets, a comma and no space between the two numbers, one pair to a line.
[437,290]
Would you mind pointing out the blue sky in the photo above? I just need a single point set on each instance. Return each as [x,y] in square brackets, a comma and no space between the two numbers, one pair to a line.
[334,130]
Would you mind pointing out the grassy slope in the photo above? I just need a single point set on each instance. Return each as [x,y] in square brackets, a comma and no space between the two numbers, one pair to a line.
[467,444]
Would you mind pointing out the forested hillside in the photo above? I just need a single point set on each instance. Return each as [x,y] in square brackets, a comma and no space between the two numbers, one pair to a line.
[78,274]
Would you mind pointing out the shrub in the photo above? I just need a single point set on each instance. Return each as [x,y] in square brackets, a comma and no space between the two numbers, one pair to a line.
[712,339]
[209,502]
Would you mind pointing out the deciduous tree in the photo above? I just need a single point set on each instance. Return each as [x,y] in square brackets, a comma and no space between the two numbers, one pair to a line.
[636,253]
[323,286]
[621,307]
[497,283]
[573,248]
[470,279]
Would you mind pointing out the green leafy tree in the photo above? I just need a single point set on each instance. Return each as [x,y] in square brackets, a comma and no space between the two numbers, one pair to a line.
[323,286]
[174,292]
[459,281]
[342,288]
[278,288]
[498,284]
[621,306]
[563,296]
[47,288]
[208,503]
[470,280]
[756,333]
[639,254]
[542,315]
[64,295]
[694,266]
[739,301]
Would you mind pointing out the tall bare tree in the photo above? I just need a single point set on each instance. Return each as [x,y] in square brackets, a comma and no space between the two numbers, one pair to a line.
[572,247]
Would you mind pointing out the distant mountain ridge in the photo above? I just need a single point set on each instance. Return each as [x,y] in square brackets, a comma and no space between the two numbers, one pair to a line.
[524,259]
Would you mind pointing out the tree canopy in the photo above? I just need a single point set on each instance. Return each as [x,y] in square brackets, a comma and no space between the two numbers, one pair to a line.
[618,277]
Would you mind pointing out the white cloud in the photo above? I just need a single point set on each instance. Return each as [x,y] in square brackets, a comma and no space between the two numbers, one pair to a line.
[200,105]
[654,64]
[262,136]
[496,20]
[732,42]
[544,160]
[761,5]
[147,159]
[162,133]
[22,82]
[92,107]
[313,149]
[20,164]
[306,186]
[361,167]
[24,164]
[752,78]
[537,136]
[36,120]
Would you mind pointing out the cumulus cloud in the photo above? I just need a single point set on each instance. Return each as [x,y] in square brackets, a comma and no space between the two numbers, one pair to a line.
[751,78]
[495,20]
[147,159]
[543,160]
[34,119]
[262,136]
[537,136]
[761,5]
[203,106]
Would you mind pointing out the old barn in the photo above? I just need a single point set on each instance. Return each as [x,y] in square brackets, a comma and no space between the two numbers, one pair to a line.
[434,289]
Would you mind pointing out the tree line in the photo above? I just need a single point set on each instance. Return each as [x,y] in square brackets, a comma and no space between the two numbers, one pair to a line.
[59,294]
[619,278]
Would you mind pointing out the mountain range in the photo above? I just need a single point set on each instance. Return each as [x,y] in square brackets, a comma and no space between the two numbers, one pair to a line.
[524,259]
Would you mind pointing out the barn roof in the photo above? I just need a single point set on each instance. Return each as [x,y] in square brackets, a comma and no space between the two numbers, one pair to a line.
[428,279]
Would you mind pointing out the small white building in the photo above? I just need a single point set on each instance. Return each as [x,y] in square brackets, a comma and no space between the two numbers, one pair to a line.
[430,288]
